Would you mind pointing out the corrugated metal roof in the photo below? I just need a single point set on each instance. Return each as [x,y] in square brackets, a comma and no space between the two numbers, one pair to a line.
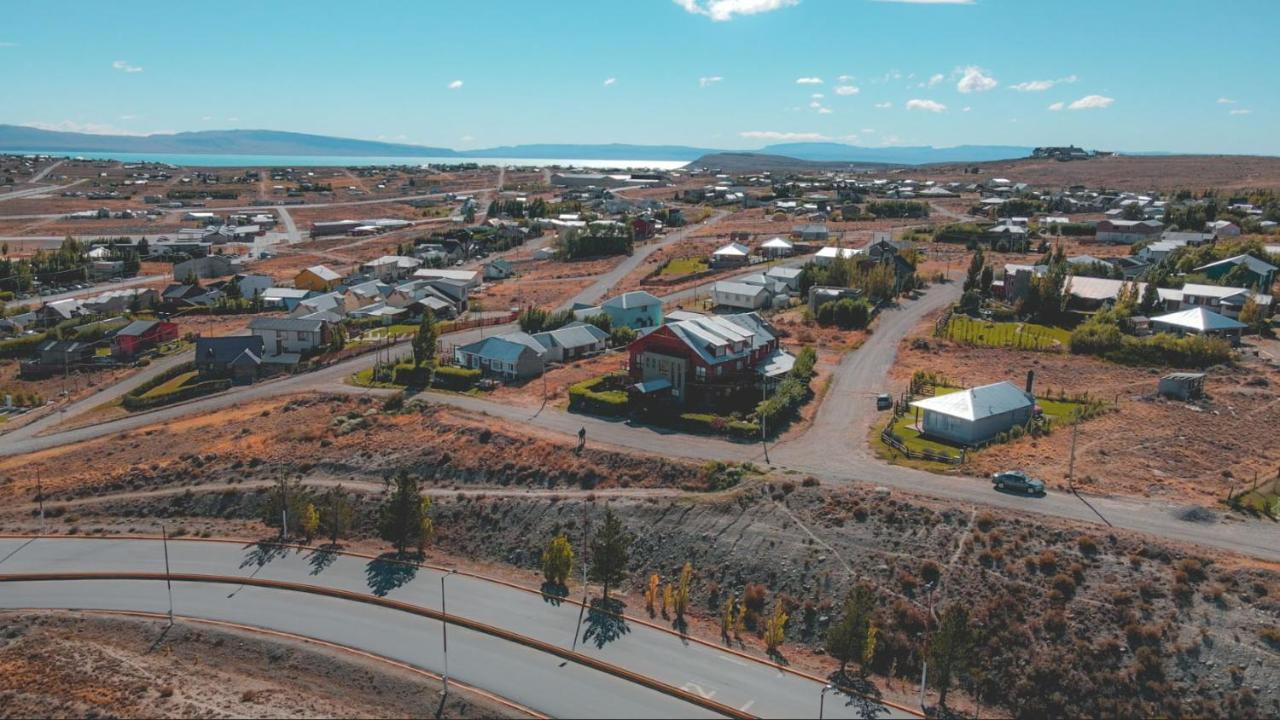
[979,402]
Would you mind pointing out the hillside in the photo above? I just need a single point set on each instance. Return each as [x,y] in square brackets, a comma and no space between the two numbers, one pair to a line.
[1164,172]
[739,162]
[214,142]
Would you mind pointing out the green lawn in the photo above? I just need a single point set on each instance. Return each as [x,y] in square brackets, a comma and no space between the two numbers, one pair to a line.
[684,266]
[1027,336]
[171,385]
[393,330]
[916,442]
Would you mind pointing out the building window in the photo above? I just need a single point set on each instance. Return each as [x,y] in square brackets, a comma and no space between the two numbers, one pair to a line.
[701,373]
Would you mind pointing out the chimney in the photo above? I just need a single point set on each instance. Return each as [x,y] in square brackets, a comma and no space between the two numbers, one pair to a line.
[1031,382]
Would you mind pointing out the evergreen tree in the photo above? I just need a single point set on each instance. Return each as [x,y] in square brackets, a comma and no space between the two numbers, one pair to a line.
[949,651]
[404,519]
[609,552]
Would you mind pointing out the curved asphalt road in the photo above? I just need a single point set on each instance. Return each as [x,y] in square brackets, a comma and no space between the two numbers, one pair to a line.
[754,687]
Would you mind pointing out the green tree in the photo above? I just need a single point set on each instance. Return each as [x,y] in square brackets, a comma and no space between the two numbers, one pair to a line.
[973,276]
[285,502]
[1254,315]
[337,513]
[1150,299]
[424,342]
[557,560]
[845,639]
[404,519]
[609,552]
[949,651]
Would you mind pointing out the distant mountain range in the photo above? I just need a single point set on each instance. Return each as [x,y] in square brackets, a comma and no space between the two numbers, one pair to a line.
[273,142]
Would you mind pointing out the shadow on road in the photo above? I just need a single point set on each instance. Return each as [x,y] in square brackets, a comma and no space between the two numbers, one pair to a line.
[604,622]
[389,571]
[858,693]
[322,557]
[554,593]
[262,552]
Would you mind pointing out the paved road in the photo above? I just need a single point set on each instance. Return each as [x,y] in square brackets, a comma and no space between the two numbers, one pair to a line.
[242,208]
[596,291]
[40,190]
[55,415]
[291,230]
[97,289]
[509,670]
[328,378]
[45,172]
[757,688]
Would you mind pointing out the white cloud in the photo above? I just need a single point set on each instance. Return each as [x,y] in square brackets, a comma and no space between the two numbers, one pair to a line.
[130,117]
[1240,112]
[776,136]
[935,79]
[928,105]
[207,118]
[8,44]
[824,111]
[884,105]
[1226,101]
[723,10]
[711,80]
[1091,102]
[817,96]
[610,81]
[845,79]
[929,2]
[123,66]
[467,138]
[455,84]
[846,90]
[1058,106]
[1042,85]
[966,109]
[974,79]
[868,131]
[87,128]
[233,119]
[815,104]
[809,81]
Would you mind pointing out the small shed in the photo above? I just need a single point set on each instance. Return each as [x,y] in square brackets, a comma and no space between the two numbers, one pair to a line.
[1182,386]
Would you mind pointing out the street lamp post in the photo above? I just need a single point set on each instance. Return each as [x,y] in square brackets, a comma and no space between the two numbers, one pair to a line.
[40,498]
[444,629]
[822,698]
[167,582]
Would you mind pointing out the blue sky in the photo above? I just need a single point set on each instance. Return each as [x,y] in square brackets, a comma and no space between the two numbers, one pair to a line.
[1175,75]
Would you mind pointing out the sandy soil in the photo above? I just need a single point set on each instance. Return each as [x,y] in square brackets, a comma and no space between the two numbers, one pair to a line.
[1145,446]
[86,665]
[1133,173]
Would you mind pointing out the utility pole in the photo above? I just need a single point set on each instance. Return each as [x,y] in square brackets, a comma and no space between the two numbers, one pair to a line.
[164,534]
[40,498]
[1071,462]
[444,629]
[764,397]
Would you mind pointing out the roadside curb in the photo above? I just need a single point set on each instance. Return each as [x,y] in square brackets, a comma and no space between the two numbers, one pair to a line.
[303,639]
[498,581]
[473,625]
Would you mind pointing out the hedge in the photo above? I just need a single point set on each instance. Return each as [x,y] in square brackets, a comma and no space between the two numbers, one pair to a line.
[445,376]
[584,397]
[21,345]
[208,387]
[136,401]
[715,425]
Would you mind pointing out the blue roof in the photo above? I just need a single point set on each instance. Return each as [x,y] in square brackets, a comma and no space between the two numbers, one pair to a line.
[504,348]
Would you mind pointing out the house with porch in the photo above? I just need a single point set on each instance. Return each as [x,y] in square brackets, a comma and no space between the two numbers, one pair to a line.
[141,335]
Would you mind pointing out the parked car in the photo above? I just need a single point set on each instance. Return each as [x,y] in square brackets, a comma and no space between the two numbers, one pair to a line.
[1016,480]
[884,401]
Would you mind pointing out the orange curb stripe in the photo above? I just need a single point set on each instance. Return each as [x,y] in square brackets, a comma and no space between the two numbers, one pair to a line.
[506,583]
[420,611]
[256,629]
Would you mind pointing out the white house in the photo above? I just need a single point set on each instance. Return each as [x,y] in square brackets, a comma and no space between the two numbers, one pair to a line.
[973,416]
[777,247]
[729,255]
[828,255]
[1199,321]
[288,335]
[727,293]
[390,268]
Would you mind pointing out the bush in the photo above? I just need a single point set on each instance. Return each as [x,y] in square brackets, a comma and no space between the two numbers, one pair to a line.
[449,377]
[21,346]
[587,396]
[135,401]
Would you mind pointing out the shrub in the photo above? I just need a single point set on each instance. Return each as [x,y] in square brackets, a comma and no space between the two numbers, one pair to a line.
[588,397]
[20,346]
[450,377]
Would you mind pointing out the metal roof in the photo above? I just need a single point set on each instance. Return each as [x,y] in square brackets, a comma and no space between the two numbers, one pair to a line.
[979,402]
[1198,319]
